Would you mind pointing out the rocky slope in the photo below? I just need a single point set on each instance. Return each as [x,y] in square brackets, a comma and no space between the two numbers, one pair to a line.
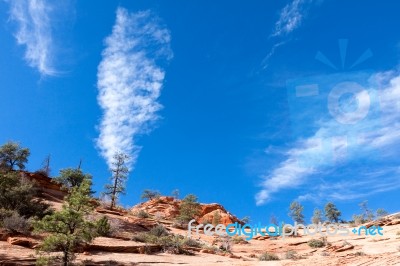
[120,249]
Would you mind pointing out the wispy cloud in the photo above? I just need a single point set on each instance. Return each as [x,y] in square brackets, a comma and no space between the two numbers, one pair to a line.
[291,17]
[34,31]
[308,158]
[130,81]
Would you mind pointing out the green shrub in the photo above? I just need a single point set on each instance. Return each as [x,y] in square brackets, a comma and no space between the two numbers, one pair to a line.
[148,194]
[267,256]
[17,224]
[159,230]
[142,214]
[188,209]
[316,243]
[359,253]
[103,227]
[191,243]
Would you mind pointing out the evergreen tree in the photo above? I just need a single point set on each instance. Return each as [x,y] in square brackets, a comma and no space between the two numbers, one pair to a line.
[368,215]
[296,212]
[216,218]
[67,229]
[381,213]
[332,213]
[188,209]
[150,194]
[119,175]
[18,194]
[72,177]
[317,216]
[11,155]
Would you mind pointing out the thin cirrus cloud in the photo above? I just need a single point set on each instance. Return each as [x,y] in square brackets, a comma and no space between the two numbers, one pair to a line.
[34,31]
[130,81]
[290,18]
[307,160]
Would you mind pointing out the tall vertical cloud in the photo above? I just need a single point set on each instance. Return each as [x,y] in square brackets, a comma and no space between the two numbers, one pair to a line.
[35,33]
[130,81]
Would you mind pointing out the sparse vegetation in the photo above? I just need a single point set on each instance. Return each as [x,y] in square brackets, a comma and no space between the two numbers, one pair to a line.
[67,228]
[291,255]
[142,214]
[316,243]
[380,213]
[103,226]
[332,213]
[170,243]
[19,196]
[226,244]
[175,193]
[119,176]
[358,219]
[190,242]
[11,155]
[359,253]
[245,220]
[238,240]
[72,177]
[317,216]
[158,231]
[17,224]
[148,194]
[188,209]
[273,219]
[296,212]
[267,256]
[367,214]
[216,218]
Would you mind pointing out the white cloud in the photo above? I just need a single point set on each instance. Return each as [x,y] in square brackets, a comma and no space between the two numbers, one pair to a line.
[35,33]
[308,157]
[130,81]
[290,18]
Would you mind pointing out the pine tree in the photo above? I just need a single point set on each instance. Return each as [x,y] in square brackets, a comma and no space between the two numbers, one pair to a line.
[296,212]
[119,175]
[68,228]
[332,213]
[11,154]
[72,177]
[188,209]
[317,216]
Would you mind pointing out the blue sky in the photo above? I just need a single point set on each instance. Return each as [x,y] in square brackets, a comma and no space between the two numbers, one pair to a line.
[202,95]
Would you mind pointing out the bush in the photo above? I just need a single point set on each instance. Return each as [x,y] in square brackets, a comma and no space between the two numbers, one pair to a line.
[170,243]
[238,240]
[268,257]
[150,194]
[103,227]
[359,253]
[191,243]
[188,209]
[226,244]
[17,224]
[142,214]
[291,255]
[18,194]
[158,230]
[316,243]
